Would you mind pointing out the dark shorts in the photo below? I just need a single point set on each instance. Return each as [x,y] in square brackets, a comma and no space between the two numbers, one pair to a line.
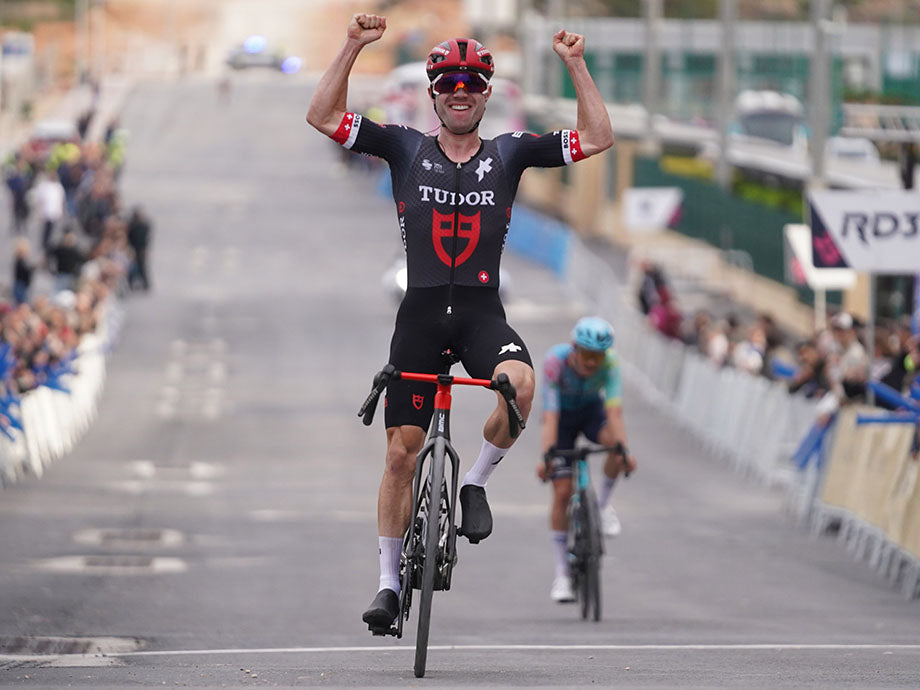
[587,420]
[476,331]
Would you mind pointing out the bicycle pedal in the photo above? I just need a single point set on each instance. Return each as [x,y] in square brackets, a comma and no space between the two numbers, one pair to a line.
[381,632]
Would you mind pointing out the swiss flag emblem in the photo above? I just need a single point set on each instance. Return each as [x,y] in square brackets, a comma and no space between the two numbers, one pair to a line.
[483,277]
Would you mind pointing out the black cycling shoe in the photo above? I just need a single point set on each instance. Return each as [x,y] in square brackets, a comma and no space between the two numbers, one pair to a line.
[383,610]
[476,524]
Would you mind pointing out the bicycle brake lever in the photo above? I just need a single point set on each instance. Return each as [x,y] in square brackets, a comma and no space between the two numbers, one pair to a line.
[621,450]
[381,379]
[515,418]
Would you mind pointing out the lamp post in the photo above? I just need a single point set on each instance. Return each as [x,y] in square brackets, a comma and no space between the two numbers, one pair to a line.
[726,88]
[81,39]
[651,82]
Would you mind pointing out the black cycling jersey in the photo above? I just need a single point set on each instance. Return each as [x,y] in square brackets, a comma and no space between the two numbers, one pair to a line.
[454,216]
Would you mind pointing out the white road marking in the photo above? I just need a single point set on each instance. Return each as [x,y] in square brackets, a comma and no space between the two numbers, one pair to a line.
[205,470]
[117,565]
[175,372]
[138,487]
[540,648]
[129,538]
[217,372]
[143,468]
[63,660]
[274,515]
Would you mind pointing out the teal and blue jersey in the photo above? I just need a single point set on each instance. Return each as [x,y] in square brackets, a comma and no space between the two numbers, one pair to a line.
[565,390]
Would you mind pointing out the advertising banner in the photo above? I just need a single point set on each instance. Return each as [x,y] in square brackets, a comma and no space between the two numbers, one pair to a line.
[875,231]
[650,209]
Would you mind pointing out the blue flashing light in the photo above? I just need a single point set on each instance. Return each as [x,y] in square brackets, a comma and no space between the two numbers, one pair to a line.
[255,44]
[291,64]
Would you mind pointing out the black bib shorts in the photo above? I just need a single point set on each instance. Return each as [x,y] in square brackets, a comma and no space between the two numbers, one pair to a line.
[476,330]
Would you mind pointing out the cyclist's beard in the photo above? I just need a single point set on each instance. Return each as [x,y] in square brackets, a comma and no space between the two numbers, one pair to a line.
[444,124]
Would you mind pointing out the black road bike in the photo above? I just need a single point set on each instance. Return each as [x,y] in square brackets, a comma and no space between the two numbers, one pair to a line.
[430,544]
[585,540]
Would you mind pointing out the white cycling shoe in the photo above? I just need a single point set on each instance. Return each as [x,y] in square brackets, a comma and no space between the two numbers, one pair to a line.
[561,591]
[610,523]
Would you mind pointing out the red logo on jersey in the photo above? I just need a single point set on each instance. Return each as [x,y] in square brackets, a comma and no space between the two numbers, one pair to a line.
[402,206]
[418,401]
[442,228]
[483,277]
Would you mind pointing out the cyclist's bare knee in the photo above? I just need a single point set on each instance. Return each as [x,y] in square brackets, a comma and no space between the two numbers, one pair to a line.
[403,444]
[562,490]
[521,376]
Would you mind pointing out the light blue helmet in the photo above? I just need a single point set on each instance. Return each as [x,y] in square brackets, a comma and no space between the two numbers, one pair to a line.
[593,333]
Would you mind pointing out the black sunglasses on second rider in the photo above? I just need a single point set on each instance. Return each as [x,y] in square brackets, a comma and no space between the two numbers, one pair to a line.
[451,81]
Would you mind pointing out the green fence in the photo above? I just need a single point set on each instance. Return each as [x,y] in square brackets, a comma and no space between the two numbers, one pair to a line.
[723,220]
[728,222]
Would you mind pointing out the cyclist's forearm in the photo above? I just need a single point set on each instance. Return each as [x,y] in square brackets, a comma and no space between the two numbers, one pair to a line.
[617,424]
[549,430]
[330,99]
[593,124]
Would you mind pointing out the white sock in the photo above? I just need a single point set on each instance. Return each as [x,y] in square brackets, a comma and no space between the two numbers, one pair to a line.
[489,457]
[606,488]
[561,552]
[390,552]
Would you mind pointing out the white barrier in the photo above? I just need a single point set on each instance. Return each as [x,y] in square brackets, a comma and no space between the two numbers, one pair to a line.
[752,423]
[53,421]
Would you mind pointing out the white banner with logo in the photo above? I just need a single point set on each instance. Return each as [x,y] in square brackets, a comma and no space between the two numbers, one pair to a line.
[649,209]
[876,231]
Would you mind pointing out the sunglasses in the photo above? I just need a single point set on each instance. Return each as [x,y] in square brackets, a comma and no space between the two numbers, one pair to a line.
[451,81]
[590,355]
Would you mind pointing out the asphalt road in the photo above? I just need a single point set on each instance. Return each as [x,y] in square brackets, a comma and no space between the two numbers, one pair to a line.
[216,526]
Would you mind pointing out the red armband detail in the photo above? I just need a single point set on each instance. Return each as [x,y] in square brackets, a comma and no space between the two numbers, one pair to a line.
[344,131]
[577,153]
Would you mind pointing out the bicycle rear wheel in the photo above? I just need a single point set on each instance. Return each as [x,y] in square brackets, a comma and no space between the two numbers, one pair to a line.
[594,550]
[429,570]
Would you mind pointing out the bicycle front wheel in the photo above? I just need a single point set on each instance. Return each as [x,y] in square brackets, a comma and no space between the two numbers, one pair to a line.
[591,581]
[429,570]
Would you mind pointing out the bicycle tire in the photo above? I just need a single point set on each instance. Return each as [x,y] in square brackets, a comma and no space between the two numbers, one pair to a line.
[436,476]
[595,551]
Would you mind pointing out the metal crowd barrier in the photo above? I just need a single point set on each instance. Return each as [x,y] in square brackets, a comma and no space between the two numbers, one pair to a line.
[53,420]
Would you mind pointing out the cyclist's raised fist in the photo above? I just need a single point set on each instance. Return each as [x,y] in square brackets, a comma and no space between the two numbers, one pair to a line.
[568,45]
[366,28]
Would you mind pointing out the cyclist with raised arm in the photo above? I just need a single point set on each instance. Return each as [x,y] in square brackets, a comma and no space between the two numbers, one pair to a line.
[453,194]
[582,394]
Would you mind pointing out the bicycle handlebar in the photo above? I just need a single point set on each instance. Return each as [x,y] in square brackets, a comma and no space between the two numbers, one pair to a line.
[583,452]
[502,384]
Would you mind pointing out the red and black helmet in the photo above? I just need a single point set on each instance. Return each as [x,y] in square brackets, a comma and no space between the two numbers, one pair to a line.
[460,55]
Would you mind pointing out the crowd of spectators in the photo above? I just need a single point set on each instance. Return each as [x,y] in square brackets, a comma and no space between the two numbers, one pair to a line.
[833,361]
[67,220]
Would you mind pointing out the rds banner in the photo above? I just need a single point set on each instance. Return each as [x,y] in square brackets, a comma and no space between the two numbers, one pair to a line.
[875,231]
